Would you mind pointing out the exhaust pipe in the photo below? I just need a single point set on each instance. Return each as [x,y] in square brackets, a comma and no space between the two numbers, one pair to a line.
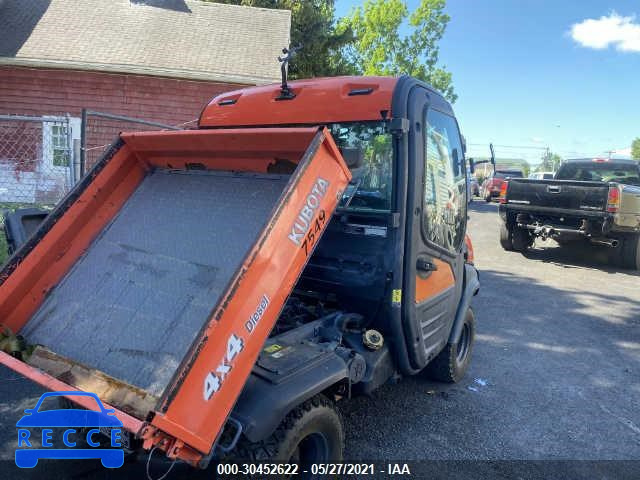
[609,242]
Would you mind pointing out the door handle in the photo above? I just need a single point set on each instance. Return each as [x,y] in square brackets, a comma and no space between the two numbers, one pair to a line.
[425,265]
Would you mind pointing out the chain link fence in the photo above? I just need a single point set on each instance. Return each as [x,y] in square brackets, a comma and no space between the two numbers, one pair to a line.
[41,158]
[100,129]
[38,164]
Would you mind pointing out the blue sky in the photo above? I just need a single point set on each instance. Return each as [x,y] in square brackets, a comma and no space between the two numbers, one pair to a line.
[525,78]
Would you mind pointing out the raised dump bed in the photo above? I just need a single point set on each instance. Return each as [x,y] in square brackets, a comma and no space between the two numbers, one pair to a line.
[136,300]
[157,280]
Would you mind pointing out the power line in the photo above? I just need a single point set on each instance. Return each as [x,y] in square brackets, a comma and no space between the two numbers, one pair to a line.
[507,146]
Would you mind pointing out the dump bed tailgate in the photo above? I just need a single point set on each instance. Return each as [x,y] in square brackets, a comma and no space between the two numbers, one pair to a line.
[560,194]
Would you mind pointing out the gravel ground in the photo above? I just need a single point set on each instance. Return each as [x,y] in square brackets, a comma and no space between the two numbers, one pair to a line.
[555,376]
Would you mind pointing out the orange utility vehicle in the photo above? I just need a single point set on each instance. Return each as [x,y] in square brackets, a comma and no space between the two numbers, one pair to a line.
[221,288]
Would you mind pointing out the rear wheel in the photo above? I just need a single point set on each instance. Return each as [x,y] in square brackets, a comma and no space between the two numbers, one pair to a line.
[452,362]
[628,255]
[521,239]
[505,237]
[310,433]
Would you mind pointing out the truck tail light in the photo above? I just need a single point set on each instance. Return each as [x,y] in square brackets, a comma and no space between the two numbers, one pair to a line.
[503,192]
[613,199]
[469,256]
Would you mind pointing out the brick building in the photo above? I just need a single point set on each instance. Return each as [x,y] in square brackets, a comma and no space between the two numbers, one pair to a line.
[158,60]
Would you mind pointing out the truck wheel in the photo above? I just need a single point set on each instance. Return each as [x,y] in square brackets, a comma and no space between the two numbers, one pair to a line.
[505,237]
[451,363]
[310,433]
[629,254]
[521,239]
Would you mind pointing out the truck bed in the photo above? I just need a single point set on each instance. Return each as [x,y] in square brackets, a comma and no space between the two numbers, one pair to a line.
[157,280]
[134,303]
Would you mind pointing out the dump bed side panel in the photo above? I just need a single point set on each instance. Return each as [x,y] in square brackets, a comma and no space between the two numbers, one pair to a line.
[206,389]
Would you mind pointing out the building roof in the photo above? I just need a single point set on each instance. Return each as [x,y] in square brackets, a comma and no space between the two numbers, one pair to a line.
[174,38]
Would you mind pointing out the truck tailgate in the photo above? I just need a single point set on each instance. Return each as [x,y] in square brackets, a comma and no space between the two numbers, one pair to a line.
[166,268]
[563,194]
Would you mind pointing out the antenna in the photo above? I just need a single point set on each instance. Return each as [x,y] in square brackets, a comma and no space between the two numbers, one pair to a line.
[285,91]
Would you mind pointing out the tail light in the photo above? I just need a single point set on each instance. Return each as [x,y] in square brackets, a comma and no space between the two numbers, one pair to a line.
[613,199]
[469,256]
[503,192]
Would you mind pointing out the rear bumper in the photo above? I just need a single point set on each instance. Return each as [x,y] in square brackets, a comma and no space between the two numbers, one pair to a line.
[510,208]
[553,222]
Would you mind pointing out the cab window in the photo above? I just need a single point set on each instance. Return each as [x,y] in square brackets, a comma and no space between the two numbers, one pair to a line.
[445,197]
[368,148]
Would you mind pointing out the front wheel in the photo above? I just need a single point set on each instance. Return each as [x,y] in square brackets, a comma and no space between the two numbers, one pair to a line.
[311,433]
[452,362]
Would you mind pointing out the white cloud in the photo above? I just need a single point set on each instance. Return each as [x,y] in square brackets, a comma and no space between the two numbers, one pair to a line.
[537,139]
[623,33]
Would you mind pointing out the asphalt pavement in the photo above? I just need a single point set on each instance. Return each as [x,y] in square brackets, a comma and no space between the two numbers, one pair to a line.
[554,380]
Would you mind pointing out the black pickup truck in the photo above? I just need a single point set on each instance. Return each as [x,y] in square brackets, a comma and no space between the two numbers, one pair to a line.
[594,200]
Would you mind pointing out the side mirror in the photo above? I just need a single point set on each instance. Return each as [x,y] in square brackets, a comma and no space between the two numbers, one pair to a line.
[493,157]
[472,165]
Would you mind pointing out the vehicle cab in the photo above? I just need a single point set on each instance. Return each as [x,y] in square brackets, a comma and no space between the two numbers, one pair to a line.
[395,249]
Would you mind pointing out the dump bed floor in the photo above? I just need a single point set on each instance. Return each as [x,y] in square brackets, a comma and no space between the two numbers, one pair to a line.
[133,304]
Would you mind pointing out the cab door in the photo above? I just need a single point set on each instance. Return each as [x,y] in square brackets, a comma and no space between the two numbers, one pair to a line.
[436,222]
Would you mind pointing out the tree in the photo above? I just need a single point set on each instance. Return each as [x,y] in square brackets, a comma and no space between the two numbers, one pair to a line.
[550,162]
[379,48]
[312,28]
[635,149]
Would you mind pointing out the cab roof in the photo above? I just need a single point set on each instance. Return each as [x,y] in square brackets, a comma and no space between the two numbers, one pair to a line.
[316,101]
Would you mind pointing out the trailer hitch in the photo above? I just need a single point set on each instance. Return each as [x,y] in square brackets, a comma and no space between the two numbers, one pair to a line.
[174,448]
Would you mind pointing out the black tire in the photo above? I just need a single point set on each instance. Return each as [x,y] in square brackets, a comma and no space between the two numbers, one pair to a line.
[521,239]
[452,362]
[311,433]
[505,237]
[628,255]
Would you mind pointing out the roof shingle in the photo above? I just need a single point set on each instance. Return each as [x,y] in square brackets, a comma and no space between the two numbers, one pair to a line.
[176,38]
